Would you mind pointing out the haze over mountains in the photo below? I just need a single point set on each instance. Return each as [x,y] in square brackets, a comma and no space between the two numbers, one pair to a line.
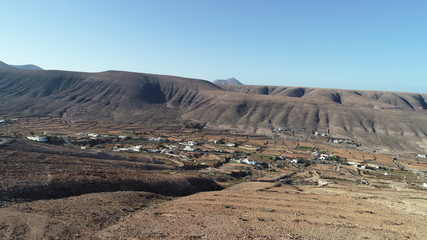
[384,120]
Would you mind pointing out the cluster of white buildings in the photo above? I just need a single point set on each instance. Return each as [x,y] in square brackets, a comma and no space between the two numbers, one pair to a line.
[137,148]
[321,134]
[363,166]
[321,156]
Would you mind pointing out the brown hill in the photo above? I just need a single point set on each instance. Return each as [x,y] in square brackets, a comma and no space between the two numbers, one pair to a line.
[391,120]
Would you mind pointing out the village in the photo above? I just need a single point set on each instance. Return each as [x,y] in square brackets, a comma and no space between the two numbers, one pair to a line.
[193,147]
[204,153]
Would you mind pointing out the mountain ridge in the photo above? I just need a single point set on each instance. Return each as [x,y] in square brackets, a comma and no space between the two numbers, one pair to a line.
[367,117]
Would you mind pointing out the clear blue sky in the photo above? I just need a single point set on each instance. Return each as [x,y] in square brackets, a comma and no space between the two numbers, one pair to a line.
[351,44]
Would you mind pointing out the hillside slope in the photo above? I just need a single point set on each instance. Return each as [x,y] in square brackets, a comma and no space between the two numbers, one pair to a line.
[391,120]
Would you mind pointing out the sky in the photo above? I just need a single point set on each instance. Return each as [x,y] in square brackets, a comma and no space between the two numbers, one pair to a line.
[348,44]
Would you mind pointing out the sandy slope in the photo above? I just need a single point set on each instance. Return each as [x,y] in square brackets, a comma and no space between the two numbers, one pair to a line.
[268,211]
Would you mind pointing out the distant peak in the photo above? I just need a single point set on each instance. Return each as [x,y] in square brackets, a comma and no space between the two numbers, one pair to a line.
[4,65]
[27,67]
[230,81]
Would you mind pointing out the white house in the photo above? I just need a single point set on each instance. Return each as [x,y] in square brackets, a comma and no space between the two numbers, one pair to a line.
[230,144]
[353,164]
[122,149]
[294,161]
[93,135]
[137,148]
[189,149]
[2,121]
[157,139]
[425,185]
[189,143]
[248,161]
[421,156]
[37,138]
[373,166]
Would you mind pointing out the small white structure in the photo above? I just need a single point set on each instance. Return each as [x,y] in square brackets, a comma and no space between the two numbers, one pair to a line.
[320,134]
[37,138]
[248,161]
[137,148]
[373,166]
[82,134]
[230,144]
[123,137]
[93,135]
[107,136]
[121,149]
[421,156]
[157,139]
[315,154]
[425,185]
[353,164]
[2,121]
[189,143]
[337,141]
[294,160]
[189,149]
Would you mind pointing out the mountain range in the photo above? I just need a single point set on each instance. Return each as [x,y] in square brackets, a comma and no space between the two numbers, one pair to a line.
[388,121]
